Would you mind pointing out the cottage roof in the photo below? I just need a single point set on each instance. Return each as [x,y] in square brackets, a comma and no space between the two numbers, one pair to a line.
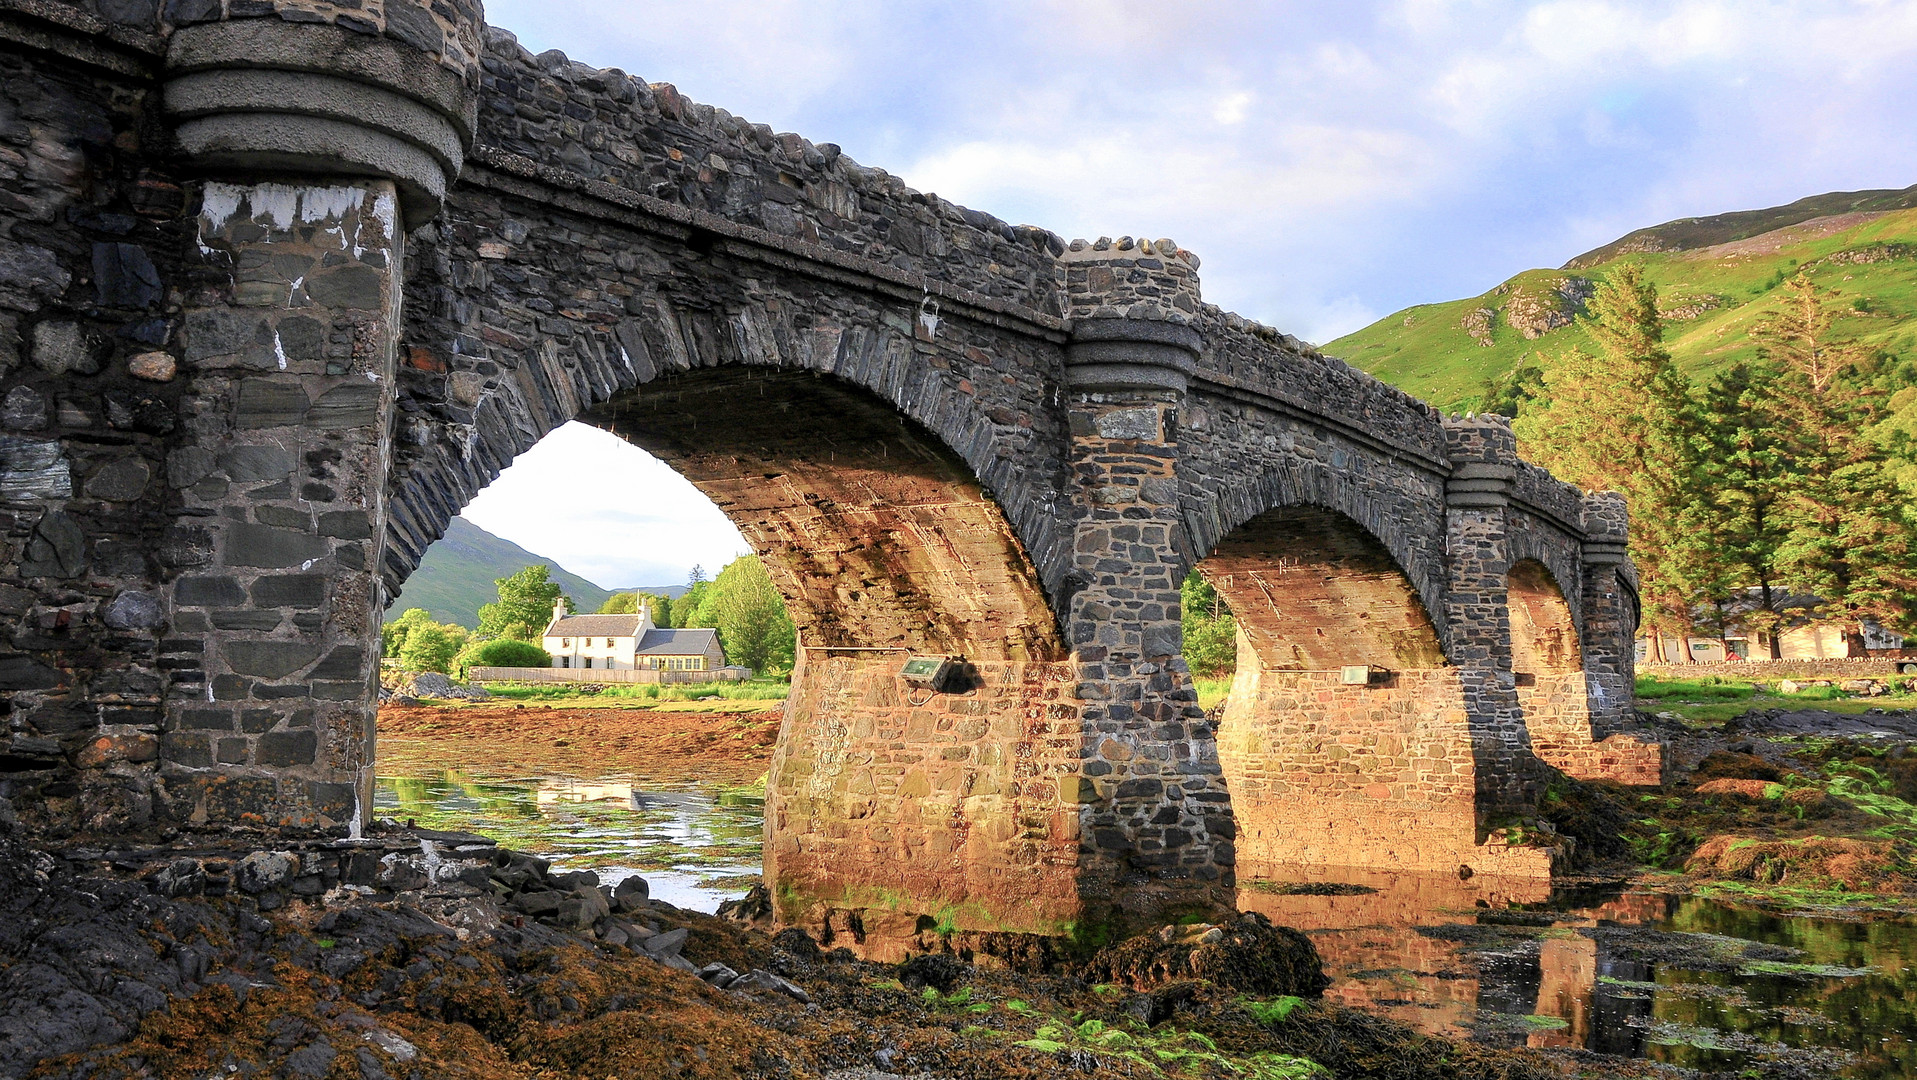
[594,626]
[677,642]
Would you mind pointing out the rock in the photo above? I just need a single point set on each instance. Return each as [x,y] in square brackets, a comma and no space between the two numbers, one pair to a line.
[181,877]
[399,1048]
[631,893]
[431,684]
[58,548]
[134,609]
[124,277]
[718,975]
[761,981]
[33,469]
[153,366]
[23,409]
[1249,955]
[538,904]
[754,909]
[942,973]
[264,870]
[60,348]
[667,944]
[111,749]
[581,908]
[120,481]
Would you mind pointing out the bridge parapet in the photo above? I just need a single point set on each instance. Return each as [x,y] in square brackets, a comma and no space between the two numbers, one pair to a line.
[1243,356]
[613,128]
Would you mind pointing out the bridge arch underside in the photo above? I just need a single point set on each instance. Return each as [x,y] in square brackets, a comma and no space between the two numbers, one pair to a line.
[1554,688]
[890,808]
[1547,663]
[1329,768]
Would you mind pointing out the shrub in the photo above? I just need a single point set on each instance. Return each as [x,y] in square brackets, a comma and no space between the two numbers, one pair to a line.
[431,647]
[505,652]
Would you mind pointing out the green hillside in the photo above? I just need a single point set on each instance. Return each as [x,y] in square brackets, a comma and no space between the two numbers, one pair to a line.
[458,572]
[1714,281]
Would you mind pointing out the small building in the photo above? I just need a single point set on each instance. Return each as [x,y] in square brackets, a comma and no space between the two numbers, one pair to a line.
[628,643]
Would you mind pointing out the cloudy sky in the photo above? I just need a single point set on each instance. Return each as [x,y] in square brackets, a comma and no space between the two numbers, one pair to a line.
[1331,161]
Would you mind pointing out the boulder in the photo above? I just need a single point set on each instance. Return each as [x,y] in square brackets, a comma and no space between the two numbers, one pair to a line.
[264,870]
[1250,955]
[761,981]
[431,684]
[631,893]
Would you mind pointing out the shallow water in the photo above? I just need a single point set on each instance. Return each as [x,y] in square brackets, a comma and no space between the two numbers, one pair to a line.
[696,844]
[1688,981]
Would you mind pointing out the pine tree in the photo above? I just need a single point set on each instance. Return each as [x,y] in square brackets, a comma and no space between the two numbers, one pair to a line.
[1622,420]
[1211,632]
[1850,539]
[1738,524]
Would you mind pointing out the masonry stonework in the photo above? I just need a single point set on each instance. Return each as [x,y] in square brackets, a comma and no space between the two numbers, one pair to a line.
[284,284]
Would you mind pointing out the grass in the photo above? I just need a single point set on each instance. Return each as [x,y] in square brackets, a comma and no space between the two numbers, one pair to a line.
[1426,351]
[749,696]
[1713,699]
[1211,691]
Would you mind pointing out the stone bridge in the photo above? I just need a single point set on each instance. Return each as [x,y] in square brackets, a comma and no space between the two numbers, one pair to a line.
[284,283]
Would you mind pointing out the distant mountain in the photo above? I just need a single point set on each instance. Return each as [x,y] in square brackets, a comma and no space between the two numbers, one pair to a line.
[458,572]
[670,592]
[1689,234]
[1715,277]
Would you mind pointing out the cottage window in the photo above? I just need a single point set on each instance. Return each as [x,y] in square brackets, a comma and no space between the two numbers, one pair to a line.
[565,643]
[588,662]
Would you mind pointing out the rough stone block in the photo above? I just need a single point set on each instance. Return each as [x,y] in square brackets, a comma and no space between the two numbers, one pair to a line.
[270,659]
[264,403]
[286,749]
[208,591]
[271,548]
[290,590]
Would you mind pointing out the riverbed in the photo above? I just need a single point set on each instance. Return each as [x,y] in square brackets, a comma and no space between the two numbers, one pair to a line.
[1604,969]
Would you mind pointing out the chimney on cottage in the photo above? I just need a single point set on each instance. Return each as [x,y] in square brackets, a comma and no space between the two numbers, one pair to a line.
[558,609]
[645,617]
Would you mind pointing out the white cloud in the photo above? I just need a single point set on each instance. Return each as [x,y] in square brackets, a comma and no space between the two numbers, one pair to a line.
[607,511]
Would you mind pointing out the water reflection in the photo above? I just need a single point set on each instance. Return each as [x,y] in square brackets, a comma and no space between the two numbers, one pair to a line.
[696,845]
[1688,981]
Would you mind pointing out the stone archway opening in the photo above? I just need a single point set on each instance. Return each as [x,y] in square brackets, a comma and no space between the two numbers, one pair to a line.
[1547,664]
[892,807]
[1345,740]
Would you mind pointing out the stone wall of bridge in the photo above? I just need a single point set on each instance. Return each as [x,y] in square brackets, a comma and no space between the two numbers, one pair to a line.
[257,351]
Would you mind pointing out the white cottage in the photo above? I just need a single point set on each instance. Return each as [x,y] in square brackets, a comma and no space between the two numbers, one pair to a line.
[628,642]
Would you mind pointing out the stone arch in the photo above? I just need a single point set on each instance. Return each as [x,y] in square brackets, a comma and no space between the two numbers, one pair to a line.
[501,348]
[876,532]
[1346,738]
[884,480]
[1547,663]
[1307,483]
[1557,557]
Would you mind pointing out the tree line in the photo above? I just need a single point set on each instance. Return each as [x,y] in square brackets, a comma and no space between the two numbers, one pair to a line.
[754,628]
[1775,480]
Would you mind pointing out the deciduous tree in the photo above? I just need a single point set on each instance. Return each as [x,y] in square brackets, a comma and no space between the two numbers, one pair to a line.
[525,605]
